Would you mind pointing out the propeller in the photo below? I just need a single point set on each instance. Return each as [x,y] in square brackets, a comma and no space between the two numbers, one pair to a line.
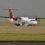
[39,18]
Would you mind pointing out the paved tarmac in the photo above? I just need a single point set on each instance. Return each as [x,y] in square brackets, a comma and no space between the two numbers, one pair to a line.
[22,43]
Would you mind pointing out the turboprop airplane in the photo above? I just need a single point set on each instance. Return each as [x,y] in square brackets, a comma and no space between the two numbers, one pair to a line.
[20,20]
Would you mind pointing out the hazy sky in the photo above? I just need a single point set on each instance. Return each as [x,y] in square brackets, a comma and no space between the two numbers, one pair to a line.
[26,7]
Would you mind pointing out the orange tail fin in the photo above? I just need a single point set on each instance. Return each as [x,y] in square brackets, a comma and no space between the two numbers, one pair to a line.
[10,13]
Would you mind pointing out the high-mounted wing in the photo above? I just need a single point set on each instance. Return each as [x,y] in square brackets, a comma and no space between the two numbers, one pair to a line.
[4,17]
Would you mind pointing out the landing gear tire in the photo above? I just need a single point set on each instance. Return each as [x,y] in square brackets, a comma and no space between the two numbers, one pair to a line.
[17,24]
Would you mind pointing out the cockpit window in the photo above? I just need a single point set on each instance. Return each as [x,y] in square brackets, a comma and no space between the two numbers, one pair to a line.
[32,20]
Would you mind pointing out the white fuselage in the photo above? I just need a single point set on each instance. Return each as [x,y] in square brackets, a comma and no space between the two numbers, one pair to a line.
[26,20]
[29,21]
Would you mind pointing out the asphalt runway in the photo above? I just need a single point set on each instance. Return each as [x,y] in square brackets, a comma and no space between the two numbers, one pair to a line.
[22,43]
[7,27]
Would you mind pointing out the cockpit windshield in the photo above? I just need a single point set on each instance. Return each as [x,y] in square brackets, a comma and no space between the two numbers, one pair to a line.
[33,20]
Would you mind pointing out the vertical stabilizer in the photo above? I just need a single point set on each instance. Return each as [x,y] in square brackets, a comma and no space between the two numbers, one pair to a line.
[10,13]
